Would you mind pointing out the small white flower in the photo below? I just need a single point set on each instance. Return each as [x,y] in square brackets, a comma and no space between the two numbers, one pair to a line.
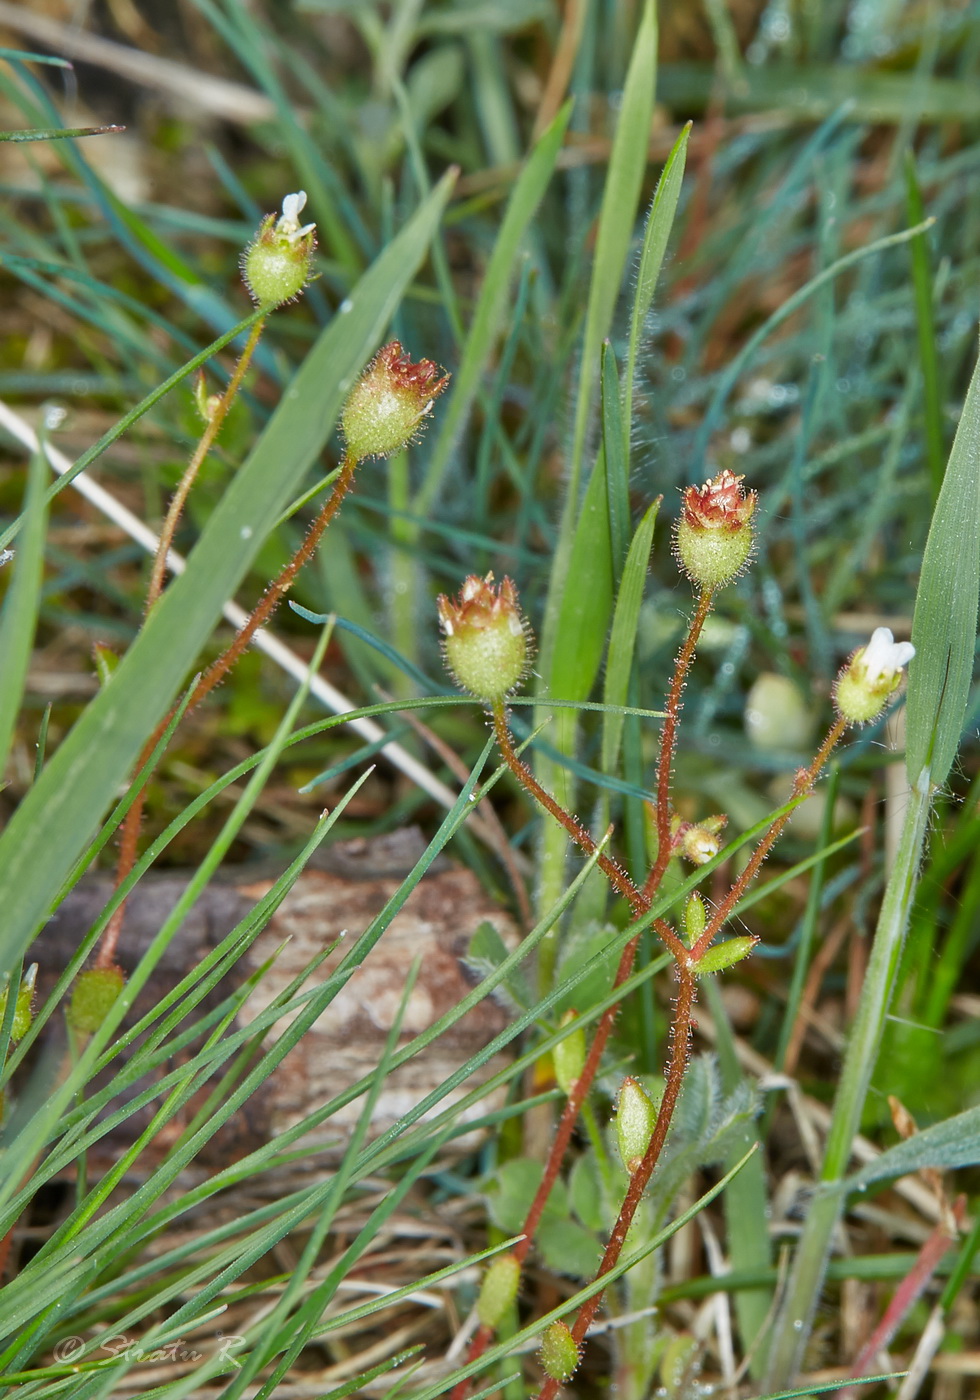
[288,222]
[6,555]
[883,657]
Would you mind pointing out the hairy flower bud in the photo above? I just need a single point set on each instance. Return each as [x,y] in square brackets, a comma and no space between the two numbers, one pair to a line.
[695,919]
[498,1290]
[559,1354]
[569,1055]
[278,262]
[871,677]
[386,407]
[636,1118]
[486,640]
[714,537]
[24,1006]
[93,996]
[725,954]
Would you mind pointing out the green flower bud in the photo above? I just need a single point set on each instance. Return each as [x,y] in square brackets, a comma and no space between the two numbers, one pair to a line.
[386,407]
[714,538]
[24,1009]
[559,1354]
[871,677]
[486,641]
[278,262]
[93,996]
[695,919]
[732,950]
[569,1055]
[636,1118]
[499,1290]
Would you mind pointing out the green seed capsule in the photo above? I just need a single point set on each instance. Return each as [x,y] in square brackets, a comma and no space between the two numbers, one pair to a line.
[499,1290]
[559,1354]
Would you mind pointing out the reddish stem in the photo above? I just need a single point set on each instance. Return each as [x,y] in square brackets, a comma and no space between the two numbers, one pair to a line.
[805,779]
[668,741]
[679,1054]
[906,1295]
[263,610]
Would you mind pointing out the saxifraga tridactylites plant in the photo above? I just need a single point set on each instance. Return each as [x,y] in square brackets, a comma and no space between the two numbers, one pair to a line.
[486,644]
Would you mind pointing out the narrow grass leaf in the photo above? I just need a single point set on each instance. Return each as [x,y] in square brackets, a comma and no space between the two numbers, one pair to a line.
[18,619]
[952,1143]
[622,640]
[660,221]
[944,626]
[617,462]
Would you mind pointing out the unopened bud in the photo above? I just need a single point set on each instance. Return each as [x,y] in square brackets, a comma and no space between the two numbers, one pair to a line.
[387,406]
[732,950]
[23,1009]
[569,1055]
[93,996]
[106,660]
[695,919]
[559,1354]
[486,640]
[278,262]
[714,537]
[871,677]
[499,1290]
[636,1118]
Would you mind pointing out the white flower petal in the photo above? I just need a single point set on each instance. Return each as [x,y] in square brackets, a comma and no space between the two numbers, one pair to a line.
[883,657]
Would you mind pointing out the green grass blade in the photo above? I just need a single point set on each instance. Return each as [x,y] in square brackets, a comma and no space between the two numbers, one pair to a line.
[54,822]
[18,620]
[617,462]
[660,221]
[627,164]
[622,639]
[944,626]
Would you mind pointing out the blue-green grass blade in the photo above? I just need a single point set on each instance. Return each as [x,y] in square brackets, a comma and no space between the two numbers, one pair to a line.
[18,619]
[660,221]
[56,819]
[622,639]
[944,625]
[493,303]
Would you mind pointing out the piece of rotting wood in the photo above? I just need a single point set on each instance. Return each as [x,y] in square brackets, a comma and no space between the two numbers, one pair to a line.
[350,883]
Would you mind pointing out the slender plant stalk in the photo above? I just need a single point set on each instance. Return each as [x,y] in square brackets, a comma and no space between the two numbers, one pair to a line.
[218,416]
[668,741]
[806,1279]
[680,1032]
[263,610]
